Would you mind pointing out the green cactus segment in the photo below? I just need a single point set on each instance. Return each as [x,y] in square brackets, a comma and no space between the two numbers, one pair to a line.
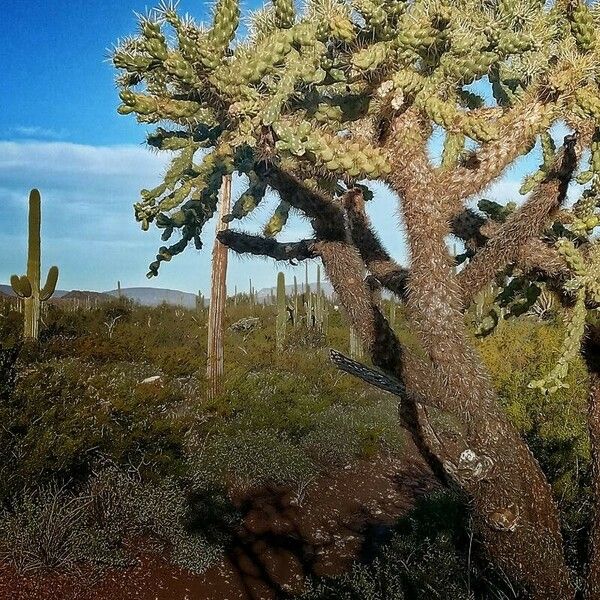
[281,311]
[278,220]
[21,286]
[50,286]
[28,286]
[454,145]
[548,154]
[225,24]
[285,13]
[582,27]
[454,120]
[334,153]
[249,200]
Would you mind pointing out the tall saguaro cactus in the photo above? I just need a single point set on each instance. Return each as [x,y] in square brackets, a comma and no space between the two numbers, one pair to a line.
[27,286]
[281,311]
[218,298]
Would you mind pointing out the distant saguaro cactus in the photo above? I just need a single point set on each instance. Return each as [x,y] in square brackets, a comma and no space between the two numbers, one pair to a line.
[296,315]
[281,311]
[28,286]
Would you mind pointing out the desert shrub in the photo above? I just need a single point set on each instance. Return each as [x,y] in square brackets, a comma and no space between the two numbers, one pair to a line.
[343,433]
[246,459]
[555,425]
[125,505]
[428,557]
[11,325]
[63,413]
[44,529]
[178,361]
[52,527]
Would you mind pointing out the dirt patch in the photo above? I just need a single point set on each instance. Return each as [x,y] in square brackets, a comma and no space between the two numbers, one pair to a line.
[343,516]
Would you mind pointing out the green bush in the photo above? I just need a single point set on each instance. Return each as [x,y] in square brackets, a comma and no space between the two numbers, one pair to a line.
[555,427]
[56,527]
[64,413]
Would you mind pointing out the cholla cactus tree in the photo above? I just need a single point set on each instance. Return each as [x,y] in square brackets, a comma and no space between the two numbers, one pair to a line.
[28,287]
[310,104]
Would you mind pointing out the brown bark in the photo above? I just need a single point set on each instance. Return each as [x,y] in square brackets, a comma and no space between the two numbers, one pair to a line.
[522,226]
[515,514]
[592,356]
[218,298]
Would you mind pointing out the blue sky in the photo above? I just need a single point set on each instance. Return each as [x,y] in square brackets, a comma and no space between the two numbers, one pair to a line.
[60,132]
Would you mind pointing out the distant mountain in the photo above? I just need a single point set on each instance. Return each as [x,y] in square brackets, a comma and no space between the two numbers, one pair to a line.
[86,295]
[157,296]
[8,291]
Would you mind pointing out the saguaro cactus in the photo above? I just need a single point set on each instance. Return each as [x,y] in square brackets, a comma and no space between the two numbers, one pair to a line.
[281,311]
[27,286]
[218,298]
[296,315]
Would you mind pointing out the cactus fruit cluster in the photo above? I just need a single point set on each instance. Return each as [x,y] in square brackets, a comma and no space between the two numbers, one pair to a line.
[28,287]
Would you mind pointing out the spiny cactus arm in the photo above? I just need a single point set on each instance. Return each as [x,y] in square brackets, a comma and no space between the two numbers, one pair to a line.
[278,221]
[21,286]
[244,243]
[537,257]
[50,285]
[575,322]
[285,12]
[377,260]
[526,223]
[405,144]
[522,124]
[328,216]
[225,23]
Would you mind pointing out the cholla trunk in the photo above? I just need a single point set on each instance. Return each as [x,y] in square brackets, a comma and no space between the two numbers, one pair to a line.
[218,299]
[514,511]
[592,354]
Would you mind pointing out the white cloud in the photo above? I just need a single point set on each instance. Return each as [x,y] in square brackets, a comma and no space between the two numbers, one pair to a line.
[89,229]
[35,132]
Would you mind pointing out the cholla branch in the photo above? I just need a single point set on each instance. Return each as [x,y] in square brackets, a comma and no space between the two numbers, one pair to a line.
[523,225]
[377,260]
[521,126]
[244,243]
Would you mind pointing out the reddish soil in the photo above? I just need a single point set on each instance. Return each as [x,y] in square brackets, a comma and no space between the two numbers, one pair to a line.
[278,545]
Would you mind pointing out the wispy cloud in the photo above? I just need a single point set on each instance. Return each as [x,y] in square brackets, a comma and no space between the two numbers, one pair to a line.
[88,225]
[37,133]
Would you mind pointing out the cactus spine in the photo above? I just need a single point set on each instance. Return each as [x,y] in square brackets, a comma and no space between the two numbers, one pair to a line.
[281,311]
[27,286]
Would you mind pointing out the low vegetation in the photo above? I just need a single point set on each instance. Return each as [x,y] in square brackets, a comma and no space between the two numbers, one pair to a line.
[94,456]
